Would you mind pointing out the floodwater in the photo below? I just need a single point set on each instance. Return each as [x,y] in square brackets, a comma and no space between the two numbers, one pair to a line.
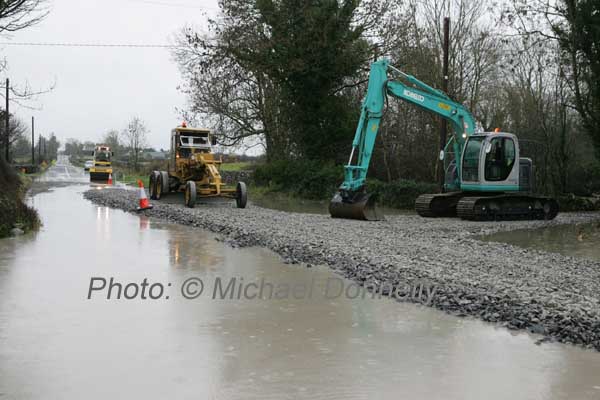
[55,343]
[581,240]
[63,171]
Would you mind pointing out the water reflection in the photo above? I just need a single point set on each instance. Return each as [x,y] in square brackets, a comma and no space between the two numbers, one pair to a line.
[144,223]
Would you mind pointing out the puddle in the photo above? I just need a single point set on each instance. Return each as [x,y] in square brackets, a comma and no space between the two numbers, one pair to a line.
[581,240]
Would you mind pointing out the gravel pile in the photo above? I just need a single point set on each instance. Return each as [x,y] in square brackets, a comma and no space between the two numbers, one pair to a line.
[549,294]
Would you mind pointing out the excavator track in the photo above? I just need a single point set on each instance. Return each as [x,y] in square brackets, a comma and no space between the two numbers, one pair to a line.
[507,207]
[438,205]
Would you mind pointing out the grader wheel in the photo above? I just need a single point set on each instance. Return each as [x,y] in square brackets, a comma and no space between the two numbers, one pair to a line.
[154,176]
[241,195]
[164,176]
[158,187]
[190,194]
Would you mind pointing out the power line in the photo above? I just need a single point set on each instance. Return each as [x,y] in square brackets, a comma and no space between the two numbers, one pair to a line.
[129,45]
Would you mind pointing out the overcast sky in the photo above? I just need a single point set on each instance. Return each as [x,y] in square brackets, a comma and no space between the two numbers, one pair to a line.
[98,89]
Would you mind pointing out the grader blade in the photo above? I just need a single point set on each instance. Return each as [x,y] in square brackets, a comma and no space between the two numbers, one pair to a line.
[99,176]
[357,205]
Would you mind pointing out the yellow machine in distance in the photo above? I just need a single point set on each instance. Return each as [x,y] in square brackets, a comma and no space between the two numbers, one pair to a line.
[102,167]
[194,169]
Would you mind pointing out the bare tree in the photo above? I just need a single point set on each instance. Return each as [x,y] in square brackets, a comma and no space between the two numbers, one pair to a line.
[573,25]
[135,134]
[238,101]
[16,130]
[112,139]
[239,97]
[224,96]
[16,15]
[20,14]
[474,46]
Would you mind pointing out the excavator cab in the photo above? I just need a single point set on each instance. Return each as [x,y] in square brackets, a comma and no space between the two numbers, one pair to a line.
[489,163]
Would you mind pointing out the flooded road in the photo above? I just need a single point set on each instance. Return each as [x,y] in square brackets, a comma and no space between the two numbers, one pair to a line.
[57,344]
[63,171]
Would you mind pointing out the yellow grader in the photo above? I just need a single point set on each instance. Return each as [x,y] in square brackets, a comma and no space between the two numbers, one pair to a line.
[194,170]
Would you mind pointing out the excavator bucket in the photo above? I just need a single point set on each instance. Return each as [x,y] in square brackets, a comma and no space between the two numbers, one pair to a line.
[358,205]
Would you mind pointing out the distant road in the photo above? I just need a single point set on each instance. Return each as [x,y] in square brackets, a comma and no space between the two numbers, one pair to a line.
[64,171]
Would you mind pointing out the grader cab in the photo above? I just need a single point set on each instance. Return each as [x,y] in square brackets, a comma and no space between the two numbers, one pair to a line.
[194,170]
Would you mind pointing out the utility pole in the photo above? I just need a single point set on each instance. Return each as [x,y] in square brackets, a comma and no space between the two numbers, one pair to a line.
[40,149]
[7,125]
[445,79]
[32,140]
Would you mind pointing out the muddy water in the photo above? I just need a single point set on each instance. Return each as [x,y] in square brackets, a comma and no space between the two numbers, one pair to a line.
[57,344]
[582,240]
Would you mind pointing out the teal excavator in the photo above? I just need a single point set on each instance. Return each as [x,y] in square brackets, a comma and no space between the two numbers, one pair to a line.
[485,178]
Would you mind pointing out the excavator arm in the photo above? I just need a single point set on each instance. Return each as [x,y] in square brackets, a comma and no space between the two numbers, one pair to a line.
[352,201]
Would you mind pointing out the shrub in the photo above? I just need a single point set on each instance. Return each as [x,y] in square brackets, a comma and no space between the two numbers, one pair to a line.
[9,179]
[13,211]
[584,181]
[399,194]
[315,180]
[578,203]
[305,178]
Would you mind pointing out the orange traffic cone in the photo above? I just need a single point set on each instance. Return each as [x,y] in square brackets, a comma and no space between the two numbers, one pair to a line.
[144,203]
[109,179]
